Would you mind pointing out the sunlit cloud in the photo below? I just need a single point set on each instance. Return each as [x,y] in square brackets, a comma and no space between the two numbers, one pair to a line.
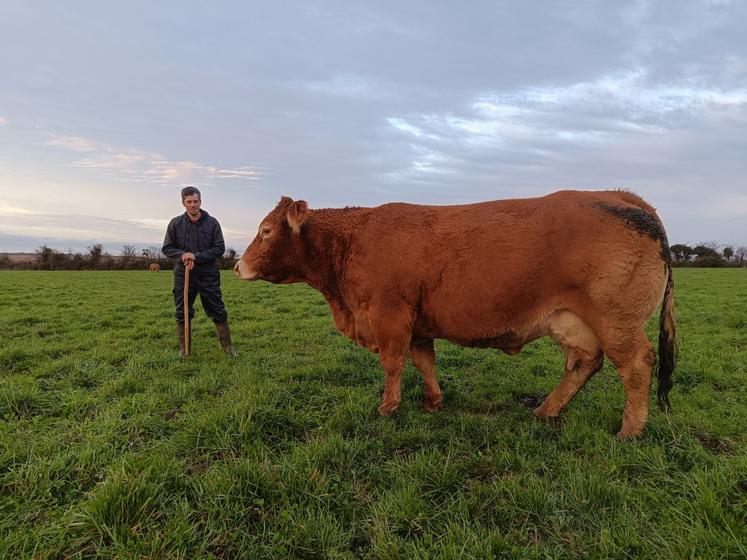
[150,223]
[140,166]
[76,143]
[65,226]
[8,210]
[4,121]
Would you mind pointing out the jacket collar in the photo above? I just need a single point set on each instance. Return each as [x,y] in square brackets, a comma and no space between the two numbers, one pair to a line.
[203,216]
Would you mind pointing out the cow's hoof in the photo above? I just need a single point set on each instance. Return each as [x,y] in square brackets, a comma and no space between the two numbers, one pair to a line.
[628,435]
[542,413]
[433,406]
[387,409]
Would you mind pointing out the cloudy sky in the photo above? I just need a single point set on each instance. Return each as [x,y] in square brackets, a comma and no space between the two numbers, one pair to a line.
[107,109]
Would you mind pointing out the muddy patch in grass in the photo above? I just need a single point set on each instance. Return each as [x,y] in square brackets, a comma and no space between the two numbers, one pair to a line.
[714,444]
[530,400]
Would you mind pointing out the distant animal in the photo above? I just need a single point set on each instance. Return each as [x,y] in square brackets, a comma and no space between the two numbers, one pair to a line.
[154,267]
[587,269]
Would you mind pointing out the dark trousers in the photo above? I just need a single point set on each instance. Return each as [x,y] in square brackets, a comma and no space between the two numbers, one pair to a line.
[203,280]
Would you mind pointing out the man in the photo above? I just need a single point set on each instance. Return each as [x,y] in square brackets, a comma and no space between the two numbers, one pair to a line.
[194,240]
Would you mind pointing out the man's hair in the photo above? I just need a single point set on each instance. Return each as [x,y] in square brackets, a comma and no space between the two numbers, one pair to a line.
[189,191]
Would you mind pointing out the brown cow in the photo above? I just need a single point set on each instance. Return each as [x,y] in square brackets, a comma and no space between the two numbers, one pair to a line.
[154,267]
[585,268]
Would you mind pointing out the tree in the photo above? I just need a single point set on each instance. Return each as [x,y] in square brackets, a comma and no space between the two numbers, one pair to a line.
[706,255]
[94,253]
[728,253]
[128,256]
[49,259]
[45,257]
[681,252]
[128,251]
[741,254]
[228,259]
[705,250]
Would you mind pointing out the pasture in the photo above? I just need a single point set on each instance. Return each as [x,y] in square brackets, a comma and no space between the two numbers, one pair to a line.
[112,447]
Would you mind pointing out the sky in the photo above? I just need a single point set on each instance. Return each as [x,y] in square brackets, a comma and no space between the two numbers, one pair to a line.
[108,109]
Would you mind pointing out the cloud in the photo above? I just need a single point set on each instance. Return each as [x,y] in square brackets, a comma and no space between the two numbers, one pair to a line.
[4,121]
[76,143]
[606,107]
[139,166]
[541,124]
[66,226]
[351,85]
[8,210]
[149,223]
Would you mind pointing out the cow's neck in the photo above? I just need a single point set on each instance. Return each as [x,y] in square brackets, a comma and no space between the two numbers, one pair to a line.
[327,234]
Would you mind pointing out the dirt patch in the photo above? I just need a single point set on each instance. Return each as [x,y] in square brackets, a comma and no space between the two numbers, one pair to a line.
[530,400]
[197,468]
[174,413]
[714,444]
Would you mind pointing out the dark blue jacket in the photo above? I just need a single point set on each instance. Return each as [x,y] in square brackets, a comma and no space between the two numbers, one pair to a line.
[203,238]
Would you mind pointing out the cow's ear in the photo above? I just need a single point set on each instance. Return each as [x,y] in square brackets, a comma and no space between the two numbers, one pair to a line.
[297,213]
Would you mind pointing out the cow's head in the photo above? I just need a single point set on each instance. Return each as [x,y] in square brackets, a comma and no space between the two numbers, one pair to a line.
[276,254]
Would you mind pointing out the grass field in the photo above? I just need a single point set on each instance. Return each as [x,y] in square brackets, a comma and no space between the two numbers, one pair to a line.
[111,447]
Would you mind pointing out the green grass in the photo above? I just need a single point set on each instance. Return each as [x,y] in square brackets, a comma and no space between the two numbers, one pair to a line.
[111,447]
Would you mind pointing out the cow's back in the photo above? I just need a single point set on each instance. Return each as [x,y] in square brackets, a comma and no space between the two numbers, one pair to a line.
[478,270]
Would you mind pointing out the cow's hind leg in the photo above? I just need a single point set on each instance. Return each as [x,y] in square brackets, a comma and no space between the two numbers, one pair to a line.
[584,358]
[579,368]
[634,358]
[423,357]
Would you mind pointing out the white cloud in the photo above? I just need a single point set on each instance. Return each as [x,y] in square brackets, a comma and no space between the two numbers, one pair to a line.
[76,143]
[613,105]
[150,223]
[8,210]
[139,166]
[350,85]
[404,126]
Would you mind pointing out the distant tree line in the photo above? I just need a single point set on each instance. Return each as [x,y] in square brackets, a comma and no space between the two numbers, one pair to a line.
[96,258]
[708,255]
[704,255]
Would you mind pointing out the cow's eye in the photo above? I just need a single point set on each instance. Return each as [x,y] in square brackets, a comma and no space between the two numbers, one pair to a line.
[266,232]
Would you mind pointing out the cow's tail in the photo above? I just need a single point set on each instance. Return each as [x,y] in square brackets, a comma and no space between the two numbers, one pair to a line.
[667,343]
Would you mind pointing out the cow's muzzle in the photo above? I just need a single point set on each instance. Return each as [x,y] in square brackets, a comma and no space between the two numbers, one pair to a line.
[242,270]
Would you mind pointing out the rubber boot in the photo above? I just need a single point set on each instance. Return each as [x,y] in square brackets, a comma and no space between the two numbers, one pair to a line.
[224,335]
[180,336]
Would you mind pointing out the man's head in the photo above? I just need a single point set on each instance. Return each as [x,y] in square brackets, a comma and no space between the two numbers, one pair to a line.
[191,201]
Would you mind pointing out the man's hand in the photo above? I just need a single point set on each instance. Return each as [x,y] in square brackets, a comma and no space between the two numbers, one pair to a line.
[188,260]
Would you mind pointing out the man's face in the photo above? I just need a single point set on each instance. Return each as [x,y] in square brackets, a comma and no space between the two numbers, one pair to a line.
[192,204]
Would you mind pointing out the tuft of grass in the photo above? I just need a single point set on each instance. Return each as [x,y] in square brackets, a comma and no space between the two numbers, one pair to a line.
[111,447]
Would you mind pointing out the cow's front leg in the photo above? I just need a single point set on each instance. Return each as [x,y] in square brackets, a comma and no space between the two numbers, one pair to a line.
[393,362]
[423,357]
[392,330]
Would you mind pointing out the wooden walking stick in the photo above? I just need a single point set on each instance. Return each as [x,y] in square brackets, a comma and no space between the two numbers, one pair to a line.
[186,308]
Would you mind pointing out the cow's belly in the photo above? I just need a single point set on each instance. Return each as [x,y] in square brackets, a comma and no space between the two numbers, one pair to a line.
[483,323]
